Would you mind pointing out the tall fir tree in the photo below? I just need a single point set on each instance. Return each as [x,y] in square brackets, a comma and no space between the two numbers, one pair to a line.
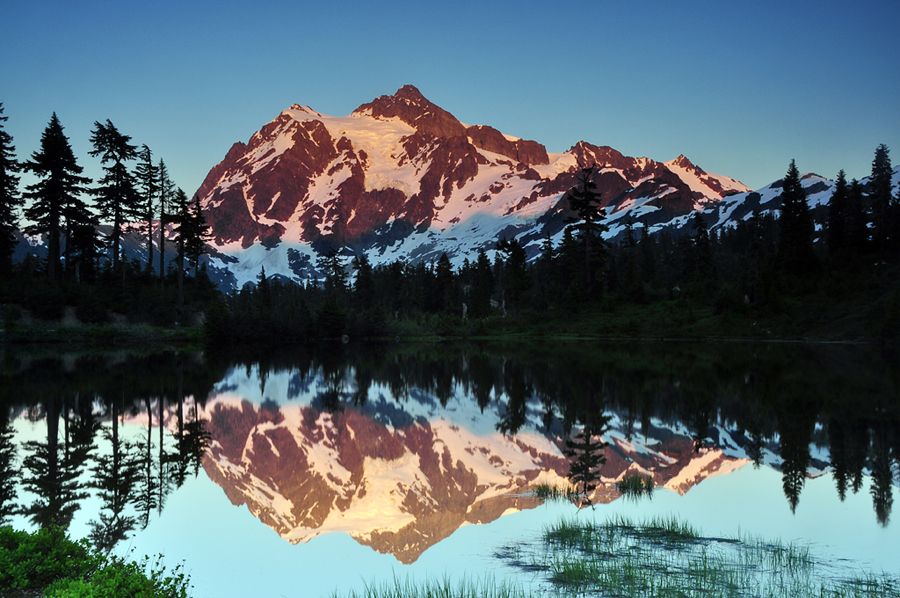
[584,199]
[880,199]
[180,218]
[166,195]
[795,242]
[197,233]
[10,200]
[56,192]
[147,175]
[837,216]
[857,229]
[116,196]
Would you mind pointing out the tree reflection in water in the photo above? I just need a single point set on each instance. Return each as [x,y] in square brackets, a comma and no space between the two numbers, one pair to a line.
[771,403]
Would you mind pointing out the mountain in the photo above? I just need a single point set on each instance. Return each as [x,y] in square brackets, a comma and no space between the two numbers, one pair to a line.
[401,178]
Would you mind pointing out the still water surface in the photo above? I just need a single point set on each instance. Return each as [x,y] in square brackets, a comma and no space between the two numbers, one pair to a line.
[304,472]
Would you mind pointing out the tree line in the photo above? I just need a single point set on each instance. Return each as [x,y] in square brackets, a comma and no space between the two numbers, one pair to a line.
[762,267]
[775,403]
[757,269]
[84,240]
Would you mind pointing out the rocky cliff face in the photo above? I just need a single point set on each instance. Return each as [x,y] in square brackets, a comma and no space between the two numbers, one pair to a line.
[402,178]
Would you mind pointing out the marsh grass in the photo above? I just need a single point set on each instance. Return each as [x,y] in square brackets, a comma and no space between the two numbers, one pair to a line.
[664,556]
[467,587]
[636,485]
[544,491]
[658,557]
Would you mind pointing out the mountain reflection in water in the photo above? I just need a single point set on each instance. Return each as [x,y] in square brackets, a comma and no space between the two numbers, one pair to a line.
[399,445]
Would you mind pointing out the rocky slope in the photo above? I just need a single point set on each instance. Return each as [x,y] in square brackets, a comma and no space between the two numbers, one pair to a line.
[401,178]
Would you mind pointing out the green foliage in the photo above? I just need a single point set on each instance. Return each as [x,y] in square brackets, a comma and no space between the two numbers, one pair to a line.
[34,560]
[48,560]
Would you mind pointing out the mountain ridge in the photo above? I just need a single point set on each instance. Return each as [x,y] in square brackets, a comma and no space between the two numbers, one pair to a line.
[401,178]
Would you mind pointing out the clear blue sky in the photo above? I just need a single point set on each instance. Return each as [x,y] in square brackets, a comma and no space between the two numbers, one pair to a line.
[740,88]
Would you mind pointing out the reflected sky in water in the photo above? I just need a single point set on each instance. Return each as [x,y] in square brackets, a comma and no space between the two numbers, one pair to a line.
[446,436]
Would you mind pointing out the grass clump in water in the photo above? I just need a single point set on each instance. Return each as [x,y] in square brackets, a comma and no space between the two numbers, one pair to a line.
[665,556]
[439,588]
[636,485]
[544,491]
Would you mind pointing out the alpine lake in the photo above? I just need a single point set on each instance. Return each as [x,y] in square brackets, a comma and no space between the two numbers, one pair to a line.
[443,469]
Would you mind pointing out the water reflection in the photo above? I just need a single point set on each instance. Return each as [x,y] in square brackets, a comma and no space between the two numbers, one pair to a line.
[400,445]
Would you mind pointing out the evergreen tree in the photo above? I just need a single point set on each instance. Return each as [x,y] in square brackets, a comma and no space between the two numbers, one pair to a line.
[701,252]
[116,196]
[166,195]
[51,474]
[443,285]
[795,249]
[9,471]
[515,279]
[86,250]
[837,216]
[857,230]
[647,248]
[482,285]
[180,218]
[880,199]
[56,192]
[335,285]
[364,285]
[10,200]
[78,219]
[584,199]
[148,181]
[116,476]
[585,448]
[196,233]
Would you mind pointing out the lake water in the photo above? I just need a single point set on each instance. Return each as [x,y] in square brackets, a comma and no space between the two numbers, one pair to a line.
[304,472]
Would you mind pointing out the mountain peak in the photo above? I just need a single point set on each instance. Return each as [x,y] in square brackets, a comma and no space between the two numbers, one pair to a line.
[410,92]
[413,108]
[683,162]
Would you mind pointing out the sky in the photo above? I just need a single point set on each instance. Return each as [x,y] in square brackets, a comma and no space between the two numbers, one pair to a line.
[740,88]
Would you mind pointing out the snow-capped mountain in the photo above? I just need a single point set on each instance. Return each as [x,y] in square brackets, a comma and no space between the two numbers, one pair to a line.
[401,178]
[741,206]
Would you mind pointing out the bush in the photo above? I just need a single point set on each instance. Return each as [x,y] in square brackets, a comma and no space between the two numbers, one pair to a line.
[34,560]
[48,559]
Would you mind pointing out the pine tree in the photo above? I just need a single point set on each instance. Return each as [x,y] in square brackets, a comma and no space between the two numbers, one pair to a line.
[147,175]
[881,198]
[515,280]
[795,250]
[703,268]
[166,195]
[585,202]
[181,229]
[56,192]
[364,284]
[482,285]
[857,230]
[10,200]
[443,284]
[197,234]
[116,196]
[837,216]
